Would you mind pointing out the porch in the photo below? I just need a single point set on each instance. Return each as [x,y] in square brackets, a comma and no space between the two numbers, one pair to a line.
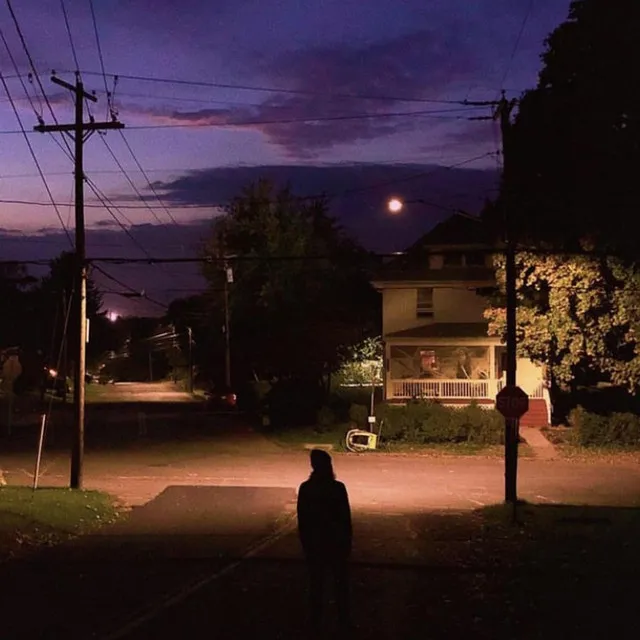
[452,389]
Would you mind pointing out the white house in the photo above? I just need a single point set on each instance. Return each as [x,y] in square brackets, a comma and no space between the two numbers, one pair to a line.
[435,335]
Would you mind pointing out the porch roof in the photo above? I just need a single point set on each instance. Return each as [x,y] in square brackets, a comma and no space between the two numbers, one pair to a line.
[445,330]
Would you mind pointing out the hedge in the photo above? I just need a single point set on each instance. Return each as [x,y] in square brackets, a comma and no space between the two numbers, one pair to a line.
[428,422]
[595,430]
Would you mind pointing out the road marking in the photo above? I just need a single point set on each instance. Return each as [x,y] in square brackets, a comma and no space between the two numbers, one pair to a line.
[481,504]
[547,499]
[146,614]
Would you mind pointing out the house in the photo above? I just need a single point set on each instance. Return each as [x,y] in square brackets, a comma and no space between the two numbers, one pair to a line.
[436,342]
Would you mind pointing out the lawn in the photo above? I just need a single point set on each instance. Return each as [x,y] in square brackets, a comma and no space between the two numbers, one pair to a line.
[297,438]
[562,439]
[29,519]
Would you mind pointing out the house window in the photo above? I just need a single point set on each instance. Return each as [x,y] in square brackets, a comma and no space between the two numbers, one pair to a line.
[428,361]
[475,259]
[452,259]
[424,303]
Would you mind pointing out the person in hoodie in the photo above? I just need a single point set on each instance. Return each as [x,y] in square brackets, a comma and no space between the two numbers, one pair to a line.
[324,528]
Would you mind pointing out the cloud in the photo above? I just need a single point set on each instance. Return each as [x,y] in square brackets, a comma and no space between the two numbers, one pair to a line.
[357,193]
[332,88]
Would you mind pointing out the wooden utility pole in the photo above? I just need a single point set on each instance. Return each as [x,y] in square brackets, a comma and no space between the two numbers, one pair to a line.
[228,279]
[190,337]
[79,132]
[503,113]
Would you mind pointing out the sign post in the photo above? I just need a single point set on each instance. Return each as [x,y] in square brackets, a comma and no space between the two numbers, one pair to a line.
[512,402]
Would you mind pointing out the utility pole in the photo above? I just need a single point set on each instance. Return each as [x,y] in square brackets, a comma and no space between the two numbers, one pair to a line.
[228,279]
[503,113]
[190,335]
[79,132]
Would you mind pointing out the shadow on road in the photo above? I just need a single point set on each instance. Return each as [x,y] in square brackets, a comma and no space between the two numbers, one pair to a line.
[178,567]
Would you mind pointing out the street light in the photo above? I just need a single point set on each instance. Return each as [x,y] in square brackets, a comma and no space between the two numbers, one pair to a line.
[395,205]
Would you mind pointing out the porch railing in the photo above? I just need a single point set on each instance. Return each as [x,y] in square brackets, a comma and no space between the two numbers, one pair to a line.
[429,388]
[452,389]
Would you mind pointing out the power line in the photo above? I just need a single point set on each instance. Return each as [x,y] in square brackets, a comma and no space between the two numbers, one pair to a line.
[310,119]
[104,76]
[36,75]
[106,274]
[109,206]
[264,89]
[73,48]
[516,44]
[149,183]
[130,181]
[35,160]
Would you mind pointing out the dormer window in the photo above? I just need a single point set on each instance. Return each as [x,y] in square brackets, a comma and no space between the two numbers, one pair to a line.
[475,259]
[452,259]
[424,302]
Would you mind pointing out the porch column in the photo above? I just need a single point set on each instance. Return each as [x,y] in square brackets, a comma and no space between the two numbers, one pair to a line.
[386,386]
[492,361]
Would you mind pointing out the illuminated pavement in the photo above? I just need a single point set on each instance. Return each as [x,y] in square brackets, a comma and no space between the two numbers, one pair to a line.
[237,456]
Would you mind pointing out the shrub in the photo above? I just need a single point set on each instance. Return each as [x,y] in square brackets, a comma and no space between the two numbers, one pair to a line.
[431,422]
[359,413]
[326,418]
[592,429]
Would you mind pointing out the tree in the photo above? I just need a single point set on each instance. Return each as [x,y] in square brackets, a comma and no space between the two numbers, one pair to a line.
[578,315]
[576,137]
[299,290]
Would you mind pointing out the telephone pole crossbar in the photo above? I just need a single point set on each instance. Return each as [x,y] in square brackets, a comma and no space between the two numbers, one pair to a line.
[79,131]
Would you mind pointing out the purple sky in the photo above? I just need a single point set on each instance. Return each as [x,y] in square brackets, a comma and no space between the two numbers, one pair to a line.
[199,144]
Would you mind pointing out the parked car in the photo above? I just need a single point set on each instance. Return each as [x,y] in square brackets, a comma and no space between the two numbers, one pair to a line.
[221,399]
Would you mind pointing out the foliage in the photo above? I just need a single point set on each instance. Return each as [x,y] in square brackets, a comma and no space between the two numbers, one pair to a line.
[576,138]
[362,364]
[579,315]
[358,413]
[291,313]
[293,402]
[592,429]
[326,418]
[430,422]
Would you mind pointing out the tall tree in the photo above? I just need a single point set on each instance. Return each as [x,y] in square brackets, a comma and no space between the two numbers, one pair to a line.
[576,138]
[577,315]
[299,290]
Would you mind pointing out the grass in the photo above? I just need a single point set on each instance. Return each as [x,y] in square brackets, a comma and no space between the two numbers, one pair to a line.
[296,438]
[31,519]
[564,442]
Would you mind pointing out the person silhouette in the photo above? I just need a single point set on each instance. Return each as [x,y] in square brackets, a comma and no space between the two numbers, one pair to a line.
[324,528]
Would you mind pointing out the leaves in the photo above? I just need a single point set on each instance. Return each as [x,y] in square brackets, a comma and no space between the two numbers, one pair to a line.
[578,315]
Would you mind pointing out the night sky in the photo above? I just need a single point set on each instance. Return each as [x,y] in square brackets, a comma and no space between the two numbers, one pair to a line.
[354,99]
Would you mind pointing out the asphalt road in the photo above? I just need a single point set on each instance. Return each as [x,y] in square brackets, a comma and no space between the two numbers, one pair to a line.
[209,551]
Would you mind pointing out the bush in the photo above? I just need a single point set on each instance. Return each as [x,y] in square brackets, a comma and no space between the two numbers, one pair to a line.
[431,422]
[326,418]
[595,430]
[359,413]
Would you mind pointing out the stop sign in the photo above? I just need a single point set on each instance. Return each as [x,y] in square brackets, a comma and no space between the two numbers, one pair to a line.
[512,402]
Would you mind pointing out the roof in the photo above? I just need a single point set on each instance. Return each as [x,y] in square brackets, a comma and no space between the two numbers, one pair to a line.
[457,233]
[445,330]
[400,273]
[458,230]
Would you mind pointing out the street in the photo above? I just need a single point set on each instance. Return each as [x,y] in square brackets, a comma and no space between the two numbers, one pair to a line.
[210,548]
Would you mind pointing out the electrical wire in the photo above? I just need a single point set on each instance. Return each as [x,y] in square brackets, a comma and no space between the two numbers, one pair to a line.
[73,48]
[104,75]
[106,274]
[516,44]
[146,177]
[264,89]
[35,74]
[35,160]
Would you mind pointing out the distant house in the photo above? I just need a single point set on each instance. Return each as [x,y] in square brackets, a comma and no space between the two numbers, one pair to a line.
[436,342]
